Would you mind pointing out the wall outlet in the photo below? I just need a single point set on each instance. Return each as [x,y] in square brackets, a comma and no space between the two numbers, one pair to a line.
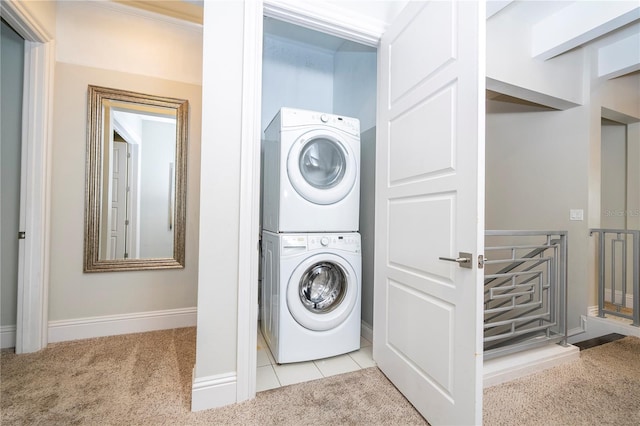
[576,214]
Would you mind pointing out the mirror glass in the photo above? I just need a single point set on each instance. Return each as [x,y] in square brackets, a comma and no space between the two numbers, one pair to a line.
[136,181]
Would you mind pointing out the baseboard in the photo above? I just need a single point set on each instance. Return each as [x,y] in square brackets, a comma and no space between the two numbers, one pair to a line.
[213,391]
[112,325]
[511,367]
[7,336]
[366,331]
[596,326]
[618,296]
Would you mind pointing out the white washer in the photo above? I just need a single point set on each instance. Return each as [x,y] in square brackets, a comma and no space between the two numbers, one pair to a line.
[310,295]
[311,169]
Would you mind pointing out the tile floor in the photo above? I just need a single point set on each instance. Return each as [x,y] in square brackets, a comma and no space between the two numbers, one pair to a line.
[270,375]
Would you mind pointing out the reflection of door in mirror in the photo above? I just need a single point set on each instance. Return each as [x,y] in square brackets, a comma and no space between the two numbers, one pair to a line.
[138,181]
[120,203]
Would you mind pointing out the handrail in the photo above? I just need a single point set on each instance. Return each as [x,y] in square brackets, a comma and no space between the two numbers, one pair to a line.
[612,266]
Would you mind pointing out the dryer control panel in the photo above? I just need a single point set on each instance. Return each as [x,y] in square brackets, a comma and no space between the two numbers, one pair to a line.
[291,117]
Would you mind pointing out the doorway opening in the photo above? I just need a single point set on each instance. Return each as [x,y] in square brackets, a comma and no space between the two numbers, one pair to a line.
[617,291]
[12,82]
[614,175]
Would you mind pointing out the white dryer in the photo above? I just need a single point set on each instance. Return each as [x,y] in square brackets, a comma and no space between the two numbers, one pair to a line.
[311,166]
[310,295]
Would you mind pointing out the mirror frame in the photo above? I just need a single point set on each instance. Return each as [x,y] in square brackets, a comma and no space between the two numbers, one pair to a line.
[93,180]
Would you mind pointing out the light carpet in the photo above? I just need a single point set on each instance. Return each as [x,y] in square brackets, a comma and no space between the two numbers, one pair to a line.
[145,379]
[600,388]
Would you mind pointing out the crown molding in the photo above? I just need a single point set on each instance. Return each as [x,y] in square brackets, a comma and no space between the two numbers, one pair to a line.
[21,20]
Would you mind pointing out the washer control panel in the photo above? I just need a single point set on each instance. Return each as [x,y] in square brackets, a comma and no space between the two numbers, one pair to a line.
[348,241]
[292,243]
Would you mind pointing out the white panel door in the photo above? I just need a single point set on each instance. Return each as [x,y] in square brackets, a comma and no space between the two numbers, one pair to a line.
[430,204]
[118,217]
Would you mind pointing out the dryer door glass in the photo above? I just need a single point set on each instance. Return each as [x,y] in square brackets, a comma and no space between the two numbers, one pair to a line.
[322,287]
[322,163]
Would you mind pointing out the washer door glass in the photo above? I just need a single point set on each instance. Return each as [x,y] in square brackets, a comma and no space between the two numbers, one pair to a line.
[322,292]
[322,166]
[322,287]
[322,163]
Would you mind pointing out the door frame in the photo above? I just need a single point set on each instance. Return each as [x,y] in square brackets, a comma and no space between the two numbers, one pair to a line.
[37,136]
[305,14]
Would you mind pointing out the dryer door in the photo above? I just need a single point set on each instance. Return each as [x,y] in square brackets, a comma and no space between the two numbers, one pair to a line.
[322,167]
[322,292]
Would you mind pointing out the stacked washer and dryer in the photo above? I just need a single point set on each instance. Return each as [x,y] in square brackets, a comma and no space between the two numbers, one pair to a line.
[311,256]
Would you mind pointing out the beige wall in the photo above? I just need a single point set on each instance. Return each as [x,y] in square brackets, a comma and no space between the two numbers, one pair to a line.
[72,293]
[536,171]
[613,198]
[633,176]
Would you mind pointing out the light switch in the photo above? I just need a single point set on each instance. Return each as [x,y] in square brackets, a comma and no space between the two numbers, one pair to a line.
[576,214]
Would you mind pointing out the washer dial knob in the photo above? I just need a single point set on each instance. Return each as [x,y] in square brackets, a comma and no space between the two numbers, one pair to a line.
[324,241]
[324,118]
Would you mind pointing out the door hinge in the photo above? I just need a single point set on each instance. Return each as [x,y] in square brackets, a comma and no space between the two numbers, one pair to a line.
[481,260]
[22,235]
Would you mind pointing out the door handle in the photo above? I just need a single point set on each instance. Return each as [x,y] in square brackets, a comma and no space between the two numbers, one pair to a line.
[463,259]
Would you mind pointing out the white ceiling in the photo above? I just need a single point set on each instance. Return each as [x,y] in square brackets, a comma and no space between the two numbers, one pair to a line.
[612,27]
[556,26]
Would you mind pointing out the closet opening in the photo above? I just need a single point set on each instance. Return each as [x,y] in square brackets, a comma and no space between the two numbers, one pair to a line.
[335,81]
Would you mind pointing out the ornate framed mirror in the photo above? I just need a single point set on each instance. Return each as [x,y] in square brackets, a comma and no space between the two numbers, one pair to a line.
[136,172]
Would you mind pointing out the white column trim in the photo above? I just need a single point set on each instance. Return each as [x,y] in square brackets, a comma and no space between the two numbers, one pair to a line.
[248,255]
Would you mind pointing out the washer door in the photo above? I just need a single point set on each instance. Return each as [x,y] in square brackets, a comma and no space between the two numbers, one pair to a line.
[321,167]
[322,292]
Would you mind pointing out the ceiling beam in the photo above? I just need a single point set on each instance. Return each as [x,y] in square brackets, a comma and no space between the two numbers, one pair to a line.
[619,58]
[495,6]
[580,23]
[528,95]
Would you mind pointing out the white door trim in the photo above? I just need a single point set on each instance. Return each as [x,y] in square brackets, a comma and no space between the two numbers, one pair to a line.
[302,14]
[326,18]
[33,268]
